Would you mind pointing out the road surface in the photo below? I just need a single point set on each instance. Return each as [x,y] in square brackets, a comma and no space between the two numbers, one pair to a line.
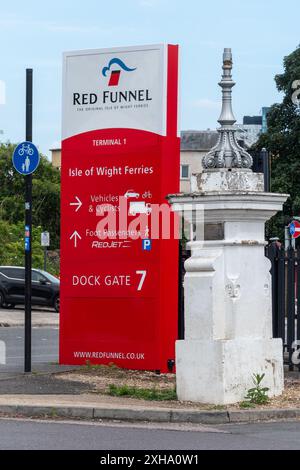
[44,347]
[37,435]
[40,317]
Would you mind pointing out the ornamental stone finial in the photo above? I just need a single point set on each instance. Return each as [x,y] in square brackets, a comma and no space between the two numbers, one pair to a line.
[227,153]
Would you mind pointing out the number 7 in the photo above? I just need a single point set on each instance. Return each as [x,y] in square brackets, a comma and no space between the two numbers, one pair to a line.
[143,275]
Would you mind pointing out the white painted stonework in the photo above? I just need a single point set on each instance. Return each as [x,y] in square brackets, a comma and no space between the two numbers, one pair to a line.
[228,315]
[236,179]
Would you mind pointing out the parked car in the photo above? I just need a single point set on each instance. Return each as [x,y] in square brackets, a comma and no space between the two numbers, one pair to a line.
[45,287]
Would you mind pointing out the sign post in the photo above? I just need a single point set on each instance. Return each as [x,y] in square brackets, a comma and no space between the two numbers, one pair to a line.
[294,228]
[26,160]
[45,243]
[28,224]
[120,159]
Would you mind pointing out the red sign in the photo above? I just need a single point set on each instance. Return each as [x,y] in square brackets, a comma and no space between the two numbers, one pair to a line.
[119,255]
[295,229]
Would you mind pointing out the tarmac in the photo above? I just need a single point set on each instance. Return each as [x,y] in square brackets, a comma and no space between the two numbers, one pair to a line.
[44,395]
[15,317]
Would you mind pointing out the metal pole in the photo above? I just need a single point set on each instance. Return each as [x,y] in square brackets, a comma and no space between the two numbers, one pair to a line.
[266,169]
[45,258]
[28,223]
[287,238]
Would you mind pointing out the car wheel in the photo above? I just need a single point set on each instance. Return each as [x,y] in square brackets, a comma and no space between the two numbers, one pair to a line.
[56,304]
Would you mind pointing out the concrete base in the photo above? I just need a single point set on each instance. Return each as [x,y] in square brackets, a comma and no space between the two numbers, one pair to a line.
[220,371]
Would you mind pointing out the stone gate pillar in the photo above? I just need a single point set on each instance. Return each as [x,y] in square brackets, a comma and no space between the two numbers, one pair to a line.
[228,314]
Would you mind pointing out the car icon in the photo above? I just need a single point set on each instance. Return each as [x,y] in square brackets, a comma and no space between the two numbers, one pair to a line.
[131,194]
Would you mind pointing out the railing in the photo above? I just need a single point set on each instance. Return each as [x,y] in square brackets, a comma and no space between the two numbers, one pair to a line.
[183,256]
[285,273]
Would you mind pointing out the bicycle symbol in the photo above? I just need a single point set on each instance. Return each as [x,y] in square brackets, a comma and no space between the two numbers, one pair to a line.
[25,150]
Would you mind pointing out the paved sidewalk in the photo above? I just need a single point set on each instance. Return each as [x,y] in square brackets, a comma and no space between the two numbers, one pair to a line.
[108,408]
[47,393]
[43,395]
[15,317]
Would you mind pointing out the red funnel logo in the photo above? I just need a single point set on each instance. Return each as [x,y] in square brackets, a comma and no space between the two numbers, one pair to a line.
[115,74]
[114,78]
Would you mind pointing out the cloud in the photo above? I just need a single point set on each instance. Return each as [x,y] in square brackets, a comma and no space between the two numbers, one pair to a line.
[206,103]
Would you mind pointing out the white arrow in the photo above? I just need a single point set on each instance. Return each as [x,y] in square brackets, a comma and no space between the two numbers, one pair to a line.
[78,203]
[76,236]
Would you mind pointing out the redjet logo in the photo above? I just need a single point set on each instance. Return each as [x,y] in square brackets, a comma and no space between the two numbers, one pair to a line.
[114,67]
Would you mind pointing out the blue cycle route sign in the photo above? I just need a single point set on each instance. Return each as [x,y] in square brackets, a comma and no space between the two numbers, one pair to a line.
[26,158]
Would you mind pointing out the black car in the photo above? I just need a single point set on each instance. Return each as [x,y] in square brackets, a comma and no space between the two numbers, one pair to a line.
[45,287]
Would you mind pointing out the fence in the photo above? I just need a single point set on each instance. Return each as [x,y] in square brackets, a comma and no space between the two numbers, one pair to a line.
[183,256]
[285,273]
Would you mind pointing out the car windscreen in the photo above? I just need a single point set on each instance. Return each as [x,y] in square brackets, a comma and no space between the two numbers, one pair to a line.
[38,277]
[51,278]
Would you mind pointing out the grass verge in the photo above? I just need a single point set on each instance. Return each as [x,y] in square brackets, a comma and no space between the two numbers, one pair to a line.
[142,393]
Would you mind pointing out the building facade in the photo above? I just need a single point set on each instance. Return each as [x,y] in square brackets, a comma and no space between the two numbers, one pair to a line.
[194,145]
[252,128]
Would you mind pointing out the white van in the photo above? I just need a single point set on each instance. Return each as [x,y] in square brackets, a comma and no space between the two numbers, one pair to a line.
[139,208]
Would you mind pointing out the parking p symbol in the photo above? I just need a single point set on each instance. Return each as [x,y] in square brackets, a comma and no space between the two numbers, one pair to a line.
[147,245]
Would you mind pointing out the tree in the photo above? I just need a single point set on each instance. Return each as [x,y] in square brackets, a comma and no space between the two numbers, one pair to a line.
[12,245]
[283,142]
[46,195]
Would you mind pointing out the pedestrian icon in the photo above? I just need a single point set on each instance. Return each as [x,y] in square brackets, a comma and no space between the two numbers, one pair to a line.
[26,165]
[26,158]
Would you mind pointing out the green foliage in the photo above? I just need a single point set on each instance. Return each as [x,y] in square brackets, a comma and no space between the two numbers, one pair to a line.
[45,193]
[246,404]
[258,394]
[142,393]
[283,142]
[45,210]
[12,246]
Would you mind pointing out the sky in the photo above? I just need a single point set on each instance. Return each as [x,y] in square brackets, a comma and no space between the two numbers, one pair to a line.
[34,34]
